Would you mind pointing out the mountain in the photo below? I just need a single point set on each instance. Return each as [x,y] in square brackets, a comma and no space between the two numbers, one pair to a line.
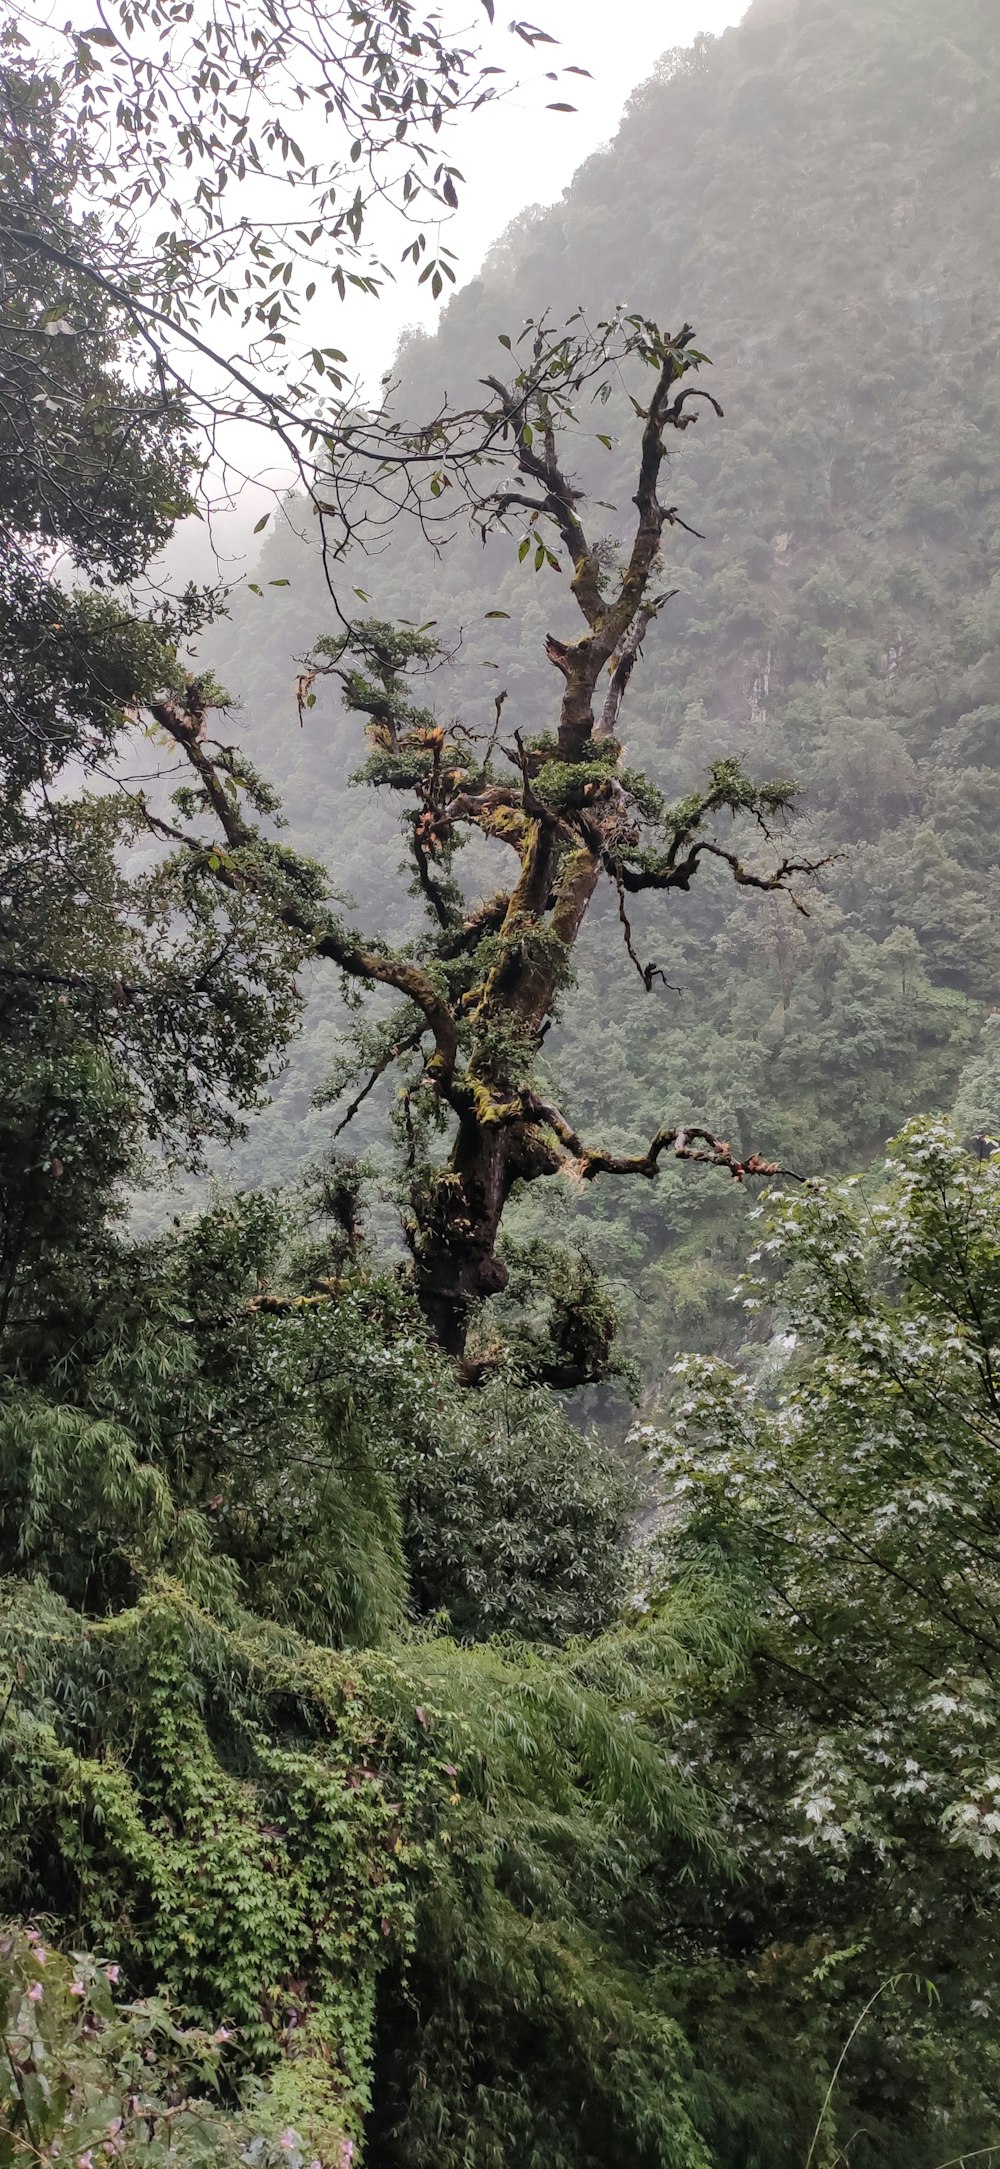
[819,193]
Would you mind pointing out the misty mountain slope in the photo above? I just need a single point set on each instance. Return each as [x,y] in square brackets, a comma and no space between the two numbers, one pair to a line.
[819,192]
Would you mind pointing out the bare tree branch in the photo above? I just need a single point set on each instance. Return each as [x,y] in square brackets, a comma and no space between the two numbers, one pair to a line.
[364,963]
[409,1042]
[685,1142]
[624,660]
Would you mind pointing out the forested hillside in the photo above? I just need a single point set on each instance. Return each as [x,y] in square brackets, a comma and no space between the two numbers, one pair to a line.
[388,1779]
[819,192]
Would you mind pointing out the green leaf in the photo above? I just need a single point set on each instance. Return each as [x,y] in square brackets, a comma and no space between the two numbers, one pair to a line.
[262,523]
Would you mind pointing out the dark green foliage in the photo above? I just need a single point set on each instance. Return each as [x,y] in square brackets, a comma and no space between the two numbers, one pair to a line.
[175,991]
[86,457]
[514,1523]
[212,1447]
[309,1442]
[264,1828]
[623,1904]
[65,1137]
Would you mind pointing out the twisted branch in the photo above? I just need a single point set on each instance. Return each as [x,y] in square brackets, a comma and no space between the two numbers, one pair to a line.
[687,1142]
[322,939]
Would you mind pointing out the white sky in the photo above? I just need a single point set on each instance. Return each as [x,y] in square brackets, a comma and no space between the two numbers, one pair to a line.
[515,153]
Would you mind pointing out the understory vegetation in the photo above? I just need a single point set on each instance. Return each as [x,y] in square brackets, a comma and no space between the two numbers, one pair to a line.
[499,1396]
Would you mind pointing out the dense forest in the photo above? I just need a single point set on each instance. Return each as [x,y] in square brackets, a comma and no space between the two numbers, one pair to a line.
[499,1195]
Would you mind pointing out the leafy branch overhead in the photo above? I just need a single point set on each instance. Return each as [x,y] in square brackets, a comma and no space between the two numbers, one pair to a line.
[483,983]
[234,173]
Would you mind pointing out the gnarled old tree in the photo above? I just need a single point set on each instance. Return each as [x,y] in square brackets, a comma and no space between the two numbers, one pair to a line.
[481,984]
